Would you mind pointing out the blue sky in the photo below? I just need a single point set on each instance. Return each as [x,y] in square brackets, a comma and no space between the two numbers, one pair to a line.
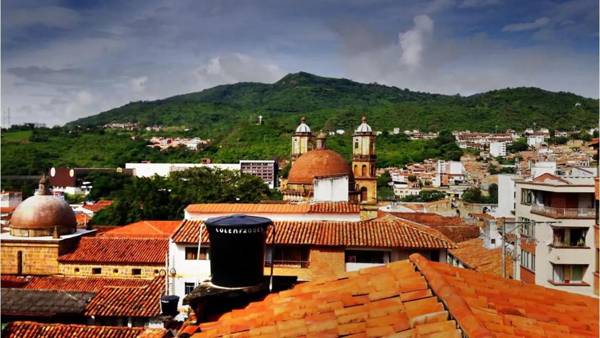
[66,59]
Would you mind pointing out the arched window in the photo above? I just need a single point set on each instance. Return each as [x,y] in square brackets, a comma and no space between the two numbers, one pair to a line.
[355,170]
[364,170]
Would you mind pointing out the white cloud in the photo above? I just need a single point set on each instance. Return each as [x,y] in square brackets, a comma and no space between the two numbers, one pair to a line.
[526,26]
[236,67]
[412,42]
[138,84]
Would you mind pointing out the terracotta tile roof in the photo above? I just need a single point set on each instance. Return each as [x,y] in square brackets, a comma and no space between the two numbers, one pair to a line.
[118,251]
[144,229]
[453,227]
[97,206]
[132,301]
[474,256]
[375,302]
[412,298]
[481,215]
[488,305]
[274,208]
[81,283]
[23,329]
[82,219]
[12,281]
[377,233]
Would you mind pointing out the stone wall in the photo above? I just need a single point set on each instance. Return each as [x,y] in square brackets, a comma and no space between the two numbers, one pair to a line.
[113,271]
[37,258]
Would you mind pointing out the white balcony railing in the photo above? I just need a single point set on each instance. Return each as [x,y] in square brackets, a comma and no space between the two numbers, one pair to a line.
[563,212]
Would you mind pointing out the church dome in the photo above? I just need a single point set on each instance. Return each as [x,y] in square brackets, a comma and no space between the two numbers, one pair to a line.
[38,215]
[364,127]
[303,127]
[318,163]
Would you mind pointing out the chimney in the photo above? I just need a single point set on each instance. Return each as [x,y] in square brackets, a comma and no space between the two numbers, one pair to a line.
[368,211]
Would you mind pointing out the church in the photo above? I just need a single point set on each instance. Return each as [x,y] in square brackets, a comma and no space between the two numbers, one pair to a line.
[322,175]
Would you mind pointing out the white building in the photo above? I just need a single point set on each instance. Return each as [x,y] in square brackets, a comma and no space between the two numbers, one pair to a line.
[506,196]
[559,254]
[540,168]
[535,140]
[449,173]
[331,189]
[498,149]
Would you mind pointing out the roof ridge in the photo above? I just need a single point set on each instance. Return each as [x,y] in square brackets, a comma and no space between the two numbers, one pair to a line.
[456,305]
[419,227]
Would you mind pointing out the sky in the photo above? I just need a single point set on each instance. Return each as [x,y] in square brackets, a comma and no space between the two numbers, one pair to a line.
[62,60]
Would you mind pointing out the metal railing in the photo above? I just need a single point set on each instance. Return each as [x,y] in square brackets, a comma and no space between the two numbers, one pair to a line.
[563,212]
[287,263]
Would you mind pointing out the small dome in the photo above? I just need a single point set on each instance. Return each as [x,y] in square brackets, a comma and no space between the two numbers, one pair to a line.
[303,127]
[364,127]
[38,215]
[318,163]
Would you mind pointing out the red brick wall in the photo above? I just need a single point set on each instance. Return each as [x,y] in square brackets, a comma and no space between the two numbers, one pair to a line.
[527,276]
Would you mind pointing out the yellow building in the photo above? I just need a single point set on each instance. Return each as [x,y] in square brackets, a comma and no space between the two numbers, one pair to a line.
[42,228]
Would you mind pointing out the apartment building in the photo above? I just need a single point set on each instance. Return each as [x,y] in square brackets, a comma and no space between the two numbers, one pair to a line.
[558,254]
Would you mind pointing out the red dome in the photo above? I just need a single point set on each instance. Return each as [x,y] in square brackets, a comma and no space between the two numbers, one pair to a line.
[318,163]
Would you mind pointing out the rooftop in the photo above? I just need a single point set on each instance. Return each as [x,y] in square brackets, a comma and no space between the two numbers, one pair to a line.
[274,208]
[453,227]
[130,301]
[474,255]
[95,207]
[43,303]
[116,250]
[144,229]
[382,232]
[24,329]
[80,283]
[411,298]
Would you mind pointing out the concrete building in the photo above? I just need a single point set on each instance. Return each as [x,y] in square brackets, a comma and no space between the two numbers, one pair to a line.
[535,140]
[449,173]
[498,149]
[558,254]
[266,170]
[308,250]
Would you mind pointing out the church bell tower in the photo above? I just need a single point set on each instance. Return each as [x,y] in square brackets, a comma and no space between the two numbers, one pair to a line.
[301,140]
[363,163]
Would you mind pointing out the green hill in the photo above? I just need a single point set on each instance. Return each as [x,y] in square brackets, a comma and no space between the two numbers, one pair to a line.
[227,114]
[338,103]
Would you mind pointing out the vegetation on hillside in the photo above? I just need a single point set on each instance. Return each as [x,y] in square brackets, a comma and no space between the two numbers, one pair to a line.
[166,197]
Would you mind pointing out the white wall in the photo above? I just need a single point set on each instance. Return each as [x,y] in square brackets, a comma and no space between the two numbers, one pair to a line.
[164,169]
[506,196]
[331,189]
[540,168]
[186,271]
[498,149]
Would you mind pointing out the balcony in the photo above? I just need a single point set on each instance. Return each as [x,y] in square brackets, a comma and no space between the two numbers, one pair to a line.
[571,213]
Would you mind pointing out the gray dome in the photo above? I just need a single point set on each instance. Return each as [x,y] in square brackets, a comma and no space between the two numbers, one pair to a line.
[364,127]
[303,127]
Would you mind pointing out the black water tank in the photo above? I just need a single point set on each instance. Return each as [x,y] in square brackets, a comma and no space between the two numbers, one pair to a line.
[168,305]
[237,249]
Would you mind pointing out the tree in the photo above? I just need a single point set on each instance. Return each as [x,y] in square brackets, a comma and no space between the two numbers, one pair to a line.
[166,197]
[519,145]
[472,195]
[412,178]
[425,196]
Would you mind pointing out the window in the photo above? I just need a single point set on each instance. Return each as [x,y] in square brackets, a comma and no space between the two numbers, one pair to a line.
[191,253]
[563,273]
[526,196]
[115,271]
[188,287]
[96,271]
[76,270]
[355,144]
[297,256]
[527,227]
[569,237]
[367,256]
[136,272]
[156,272]
[528,260]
